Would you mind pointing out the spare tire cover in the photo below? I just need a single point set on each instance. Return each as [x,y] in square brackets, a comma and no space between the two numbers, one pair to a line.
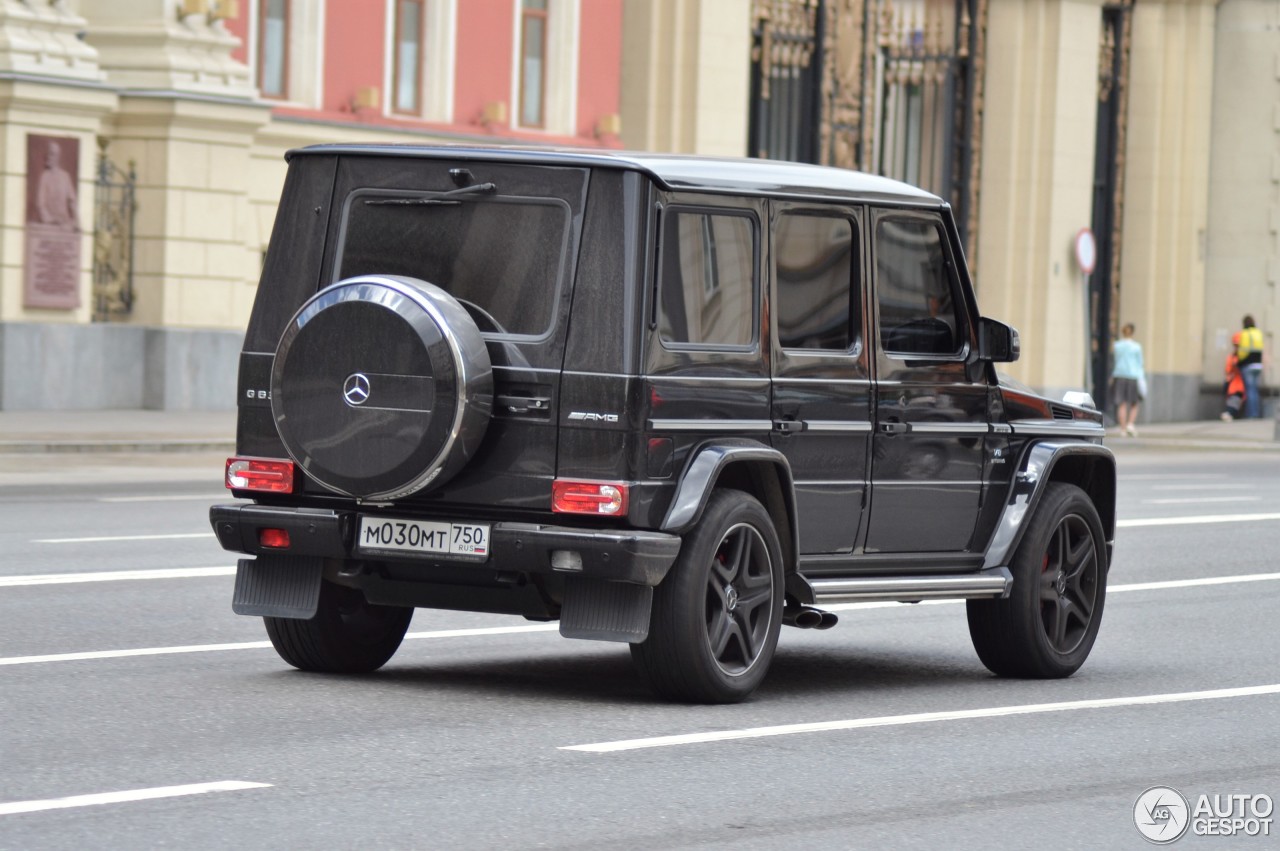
[381,386]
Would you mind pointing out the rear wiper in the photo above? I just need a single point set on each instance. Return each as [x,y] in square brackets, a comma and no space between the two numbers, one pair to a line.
[450,197]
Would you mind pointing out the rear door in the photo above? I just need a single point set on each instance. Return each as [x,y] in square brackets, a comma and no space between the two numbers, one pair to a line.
[931,399]
[821,379]
[508,254]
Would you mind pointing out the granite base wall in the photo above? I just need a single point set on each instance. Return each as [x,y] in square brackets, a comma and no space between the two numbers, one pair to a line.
[54,367]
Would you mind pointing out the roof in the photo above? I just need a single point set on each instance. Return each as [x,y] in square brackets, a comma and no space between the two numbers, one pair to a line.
[673,171]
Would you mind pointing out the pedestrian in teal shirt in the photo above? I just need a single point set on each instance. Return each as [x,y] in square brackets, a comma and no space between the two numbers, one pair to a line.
[1127,371]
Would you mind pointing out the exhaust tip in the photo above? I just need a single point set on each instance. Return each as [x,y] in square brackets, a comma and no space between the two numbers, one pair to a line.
[803,619]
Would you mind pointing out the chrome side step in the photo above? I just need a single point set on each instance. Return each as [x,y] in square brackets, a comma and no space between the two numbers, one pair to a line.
[994,582]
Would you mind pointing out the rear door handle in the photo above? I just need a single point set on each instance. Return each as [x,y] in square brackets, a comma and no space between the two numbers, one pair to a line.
[894,427]
[788,426]
[524,404]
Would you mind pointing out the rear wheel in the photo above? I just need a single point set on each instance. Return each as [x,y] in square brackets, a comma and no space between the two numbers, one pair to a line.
[717,614]
[1048,624]
[347,635]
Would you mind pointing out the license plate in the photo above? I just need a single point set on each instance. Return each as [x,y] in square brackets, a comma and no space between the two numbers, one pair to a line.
[422,537]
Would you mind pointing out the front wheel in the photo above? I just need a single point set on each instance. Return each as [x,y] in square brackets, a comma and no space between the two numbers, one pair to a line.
[347,634]
[717,614]
[1047,626]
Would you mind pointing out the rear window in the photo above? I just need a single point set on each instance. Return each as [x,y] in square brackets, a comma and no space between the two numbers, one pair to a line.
[707,295]
[500,256]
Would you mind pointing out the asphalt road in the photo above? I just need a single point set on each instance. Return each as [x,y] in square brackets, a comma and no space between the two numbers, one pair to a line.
[472,737]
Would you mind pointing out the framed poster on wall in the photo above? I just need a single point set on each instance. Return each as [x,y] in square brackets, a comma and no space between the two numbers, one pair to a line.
[51,273]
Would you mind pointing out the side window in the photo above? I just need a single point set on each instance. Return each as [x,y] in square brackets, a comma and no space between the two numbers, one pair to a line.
[533,54]
[273,48]
[285,41]
[917,303]
[707,291]
[817,303]
[406,96]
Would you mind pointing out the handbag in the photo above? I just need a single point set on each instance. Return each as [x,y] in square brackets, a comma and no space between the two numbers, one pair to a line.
[1142,386]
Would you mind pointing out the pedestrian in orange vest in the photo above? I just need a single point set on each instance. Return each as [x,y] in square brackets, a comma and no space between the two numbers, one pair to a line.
[1235,389]
[1248,345]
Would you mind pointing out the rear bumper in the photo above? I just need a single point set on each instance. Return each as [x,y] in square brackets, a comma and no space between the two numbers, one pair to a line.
[614,555]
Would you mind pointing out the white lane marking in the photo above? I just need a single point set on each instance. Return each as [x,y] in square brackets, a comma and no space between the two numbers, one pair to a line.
[130,795]
[1236,486]
[1111,589]
[919,718]
[256,645]
[100,540]
[1193,500]
[138,651]
[1193,583]
[114,576]
[1155,477]
[1190,521]
[171,498]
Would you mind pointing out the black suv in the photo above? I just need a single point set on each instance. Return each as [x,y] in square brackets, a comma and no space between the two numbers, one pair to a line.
[666,400]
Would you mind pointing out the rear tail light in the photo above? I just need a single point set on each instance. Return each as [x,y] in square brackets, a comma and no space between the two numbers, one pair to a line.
[600,498]
[269,475]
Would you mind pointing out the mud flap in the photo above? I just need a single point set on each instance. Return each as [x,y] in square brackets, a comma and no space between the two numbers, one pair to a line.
[605,611]
[278,586]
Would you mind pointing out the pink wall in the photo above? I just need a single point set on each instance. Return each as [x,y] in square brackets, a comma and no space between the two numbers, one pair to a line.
[486,32]
[355,51]
[239,27]
[599,63]
[355,56]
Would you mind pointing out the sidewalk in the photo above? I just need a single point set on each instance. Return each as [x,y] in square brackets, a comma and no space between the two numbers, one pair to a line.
[214,431]
[117,431]
[1252,435]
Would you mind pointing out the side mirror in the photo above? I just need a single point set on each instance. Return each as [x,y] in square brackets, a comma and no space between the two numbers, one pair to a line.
[997,342]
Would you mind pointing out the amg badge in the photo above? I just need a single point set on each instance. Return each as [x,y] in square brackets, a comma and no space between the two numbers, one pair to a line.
[591,417]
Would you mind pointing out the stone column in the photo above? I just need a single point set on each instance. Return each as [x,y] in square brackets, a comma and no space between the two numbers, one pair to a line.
[187,117]
[1039,121]
[50,85]
[1242,272]
[1162,272]
[686,71]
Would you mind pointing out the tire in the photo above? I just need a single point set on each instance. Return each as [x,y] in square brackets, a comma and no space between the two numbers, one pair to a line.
[1047,626]
[717,614]
[347,635]
[381,387]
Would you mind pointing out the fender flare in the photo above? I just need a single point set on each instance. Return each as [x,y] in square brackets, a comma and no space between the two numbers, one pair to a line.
[1034,472]
[702,473]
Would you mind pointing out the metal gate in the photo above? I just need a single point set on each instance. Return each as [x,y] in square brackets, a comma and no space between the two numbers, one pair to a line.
[113,217]
[1108,189]
[892,88]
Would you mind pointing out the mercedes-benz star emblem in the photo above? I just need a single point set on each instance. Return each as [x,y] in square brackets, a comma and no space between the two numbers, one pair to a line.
[356,389]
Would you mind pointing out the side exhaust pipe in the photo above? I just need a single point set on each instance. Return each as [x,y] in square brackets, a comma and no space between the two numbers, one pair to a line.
[807,617]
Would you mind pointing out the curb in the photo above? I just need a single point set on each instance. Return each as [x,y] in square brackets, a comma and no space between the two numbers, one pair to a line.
[1118,444]
[31,447]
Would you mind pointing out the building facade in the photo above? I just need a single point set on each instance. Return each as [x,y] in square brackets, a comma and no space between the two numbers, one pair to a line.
[161,126]
[1149,123]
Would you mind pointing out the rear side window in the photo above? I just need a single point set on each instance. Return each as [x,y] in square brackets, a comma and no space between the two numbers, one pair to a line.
[914,290]
[707,293]
[816,256]
[501,257]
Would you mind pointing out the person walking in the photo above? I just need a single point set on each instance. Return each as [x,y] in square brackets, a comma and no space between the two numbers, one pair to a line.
[1248,343]
[1126,371]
